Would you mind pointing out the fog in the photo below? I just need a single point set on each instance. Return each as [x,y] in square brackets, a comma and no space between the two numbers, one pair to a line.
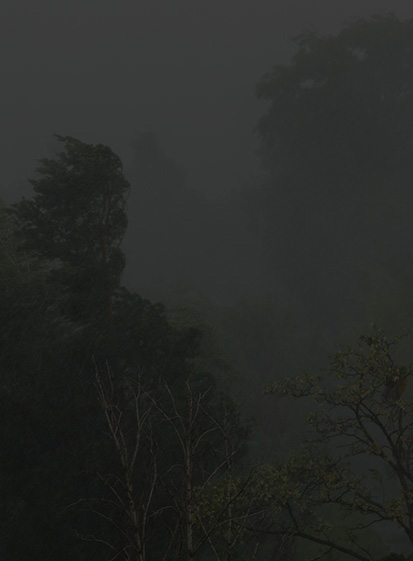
[186,73]
[273,219]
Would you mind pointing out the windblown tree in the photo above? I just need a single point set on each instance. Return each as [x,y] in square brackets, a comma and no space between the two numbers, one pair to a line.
[64,314]
[76,221]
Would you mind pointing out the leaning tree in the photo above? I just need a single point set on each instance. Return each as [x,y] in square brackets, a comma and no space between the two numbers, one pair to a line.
[76,221]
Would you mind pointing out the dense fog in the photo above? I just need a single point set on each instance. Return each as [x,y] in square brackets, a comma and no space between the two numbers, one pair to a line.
[206,281]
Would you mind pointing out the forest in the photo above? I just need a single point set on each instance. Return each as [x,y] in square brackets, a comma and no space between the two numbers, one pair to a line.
[184,420]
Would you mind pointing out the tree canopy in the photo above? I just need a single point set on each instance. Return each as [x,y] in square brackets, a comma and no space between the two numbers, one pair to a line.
[356,466]
[336,141]
[347,96]
[77,220]
[60,265]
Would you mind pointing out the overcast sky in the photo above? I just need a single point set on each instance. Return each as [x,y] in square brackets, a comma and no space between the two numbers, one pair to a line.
[102,71]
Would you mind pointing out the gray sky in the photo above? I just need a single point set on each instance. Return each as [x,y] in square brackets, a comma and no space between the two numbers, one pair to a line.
[102,71]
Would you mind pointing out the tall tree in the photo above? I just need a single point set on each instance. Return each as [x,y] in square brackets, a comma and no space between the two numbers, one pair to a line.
[77,221]
[336,141]
[171,448]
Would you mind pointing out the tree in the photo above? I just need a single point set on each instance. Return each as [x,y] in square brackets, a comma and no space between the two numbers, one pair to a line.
[167,212]
[356,466]
[336,143]
[210,440]
[171,448]
[129,490]
[335,86]
[54,295]
[76,221]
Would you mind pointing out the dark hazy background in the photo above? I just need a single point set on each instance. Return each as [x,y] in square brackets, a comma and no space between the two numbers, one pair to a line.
[104,72]
[185,70]
[170,86]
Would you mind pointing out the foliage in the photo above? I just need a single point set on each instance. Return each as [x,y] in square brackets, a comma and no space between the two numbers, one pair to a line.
[336,143]
[335,84]
[357,461]
[167,448]
[60,266]
[77,220]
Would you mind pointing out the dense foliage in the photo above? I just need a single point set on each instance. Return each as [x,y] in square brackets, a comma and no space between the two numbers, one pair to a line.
[357,463]
[57,344]
[121,438]
[77,221]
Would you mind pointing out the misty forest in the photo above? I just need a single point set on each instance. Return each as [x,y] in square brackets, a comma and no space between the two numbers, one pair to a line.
[220,377]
